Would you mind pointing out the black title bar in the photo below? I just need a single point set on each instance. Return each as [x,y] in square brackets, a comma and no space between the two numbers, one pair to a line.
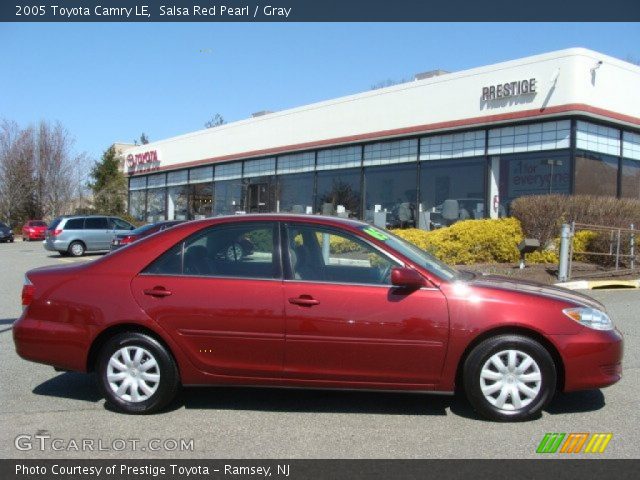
[317,10]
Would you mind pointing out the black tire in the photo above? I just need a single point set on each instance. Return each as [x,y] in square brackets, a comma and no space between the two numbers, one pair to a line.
[169,377]
[76,249]
[64,254]
[482,353]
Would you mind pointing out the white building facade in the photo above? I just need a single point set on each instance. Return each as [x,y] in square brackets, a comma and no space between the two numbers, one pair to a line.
[424,153]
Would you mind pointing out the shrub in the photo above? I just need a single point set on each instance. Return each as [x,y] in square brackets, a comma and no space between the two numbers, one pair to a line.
[470,241]
[541,216]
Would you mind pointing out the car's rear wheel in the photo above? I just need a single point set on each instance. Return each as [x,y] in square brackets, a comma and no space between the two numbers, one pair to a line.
[509,378]
[76,249]
[137,374]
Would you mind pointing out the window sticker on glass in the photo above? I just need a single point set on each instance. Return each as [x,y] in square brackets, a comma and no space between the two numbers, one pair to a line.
[377,234]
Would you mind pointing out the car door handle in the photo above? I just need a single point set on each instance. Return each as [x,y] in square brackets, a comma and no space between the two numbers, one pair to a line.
[304,301]
[157,292]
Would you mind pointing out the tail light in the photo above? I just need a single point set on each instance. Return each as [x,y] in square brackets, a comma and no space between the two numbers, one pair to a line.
[128,239]
[28,291]
[56,232]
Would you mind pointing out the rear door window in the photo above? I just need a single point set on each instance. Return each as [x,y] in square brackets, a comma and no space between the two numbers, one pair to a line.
[73,224]
[247,250]
[96,223]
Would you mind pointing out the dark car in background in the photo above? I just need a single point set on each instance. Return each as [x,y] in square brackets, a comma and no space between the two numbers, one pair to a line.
[123,239]
[6,235]
[34,230]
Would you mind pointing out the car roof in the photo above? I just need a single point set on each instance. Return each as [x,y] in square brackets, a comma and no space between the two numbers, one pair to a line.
[284,217]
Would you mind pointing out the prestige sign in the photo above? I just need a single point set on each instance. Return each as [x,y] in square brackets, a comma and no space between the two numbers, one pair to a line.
[510,89]
[142,160]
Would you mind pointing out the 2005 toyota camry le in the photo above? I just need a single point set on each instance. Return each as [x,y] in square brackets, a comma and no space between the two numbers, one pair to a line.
[306,301]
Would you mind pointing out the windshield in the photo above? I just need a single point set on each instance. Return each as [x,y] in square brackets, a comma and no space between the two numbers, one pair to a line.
[37,223]
[413,253]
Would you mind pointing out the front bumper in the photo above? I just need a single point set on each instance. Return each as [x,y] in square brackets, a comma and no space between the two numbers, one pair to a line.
[592,359]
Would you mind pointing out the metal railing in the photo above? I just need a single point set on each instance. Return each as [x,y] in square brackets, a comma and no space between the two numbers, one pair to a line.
[619,256]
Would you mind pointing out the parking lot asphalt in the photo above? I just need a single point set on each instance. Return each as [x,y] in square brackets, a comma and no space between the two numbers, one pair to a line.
[272,423]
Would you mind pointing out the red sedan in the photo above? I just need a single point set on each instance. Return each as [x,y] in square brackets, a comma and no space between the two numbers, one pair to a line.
[34,230]
[317,302]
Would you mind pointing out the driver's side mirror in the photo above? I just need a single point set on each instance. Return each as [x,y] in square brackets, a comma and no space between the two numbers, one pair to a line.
[406,278]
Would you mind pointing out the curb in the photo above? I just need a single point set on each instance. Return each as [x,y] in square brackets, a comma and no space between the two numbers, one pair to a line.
[597,284]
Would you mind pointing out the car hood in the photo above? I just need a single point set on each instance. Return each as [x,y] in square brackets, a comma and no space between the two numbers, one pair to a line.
[535,288]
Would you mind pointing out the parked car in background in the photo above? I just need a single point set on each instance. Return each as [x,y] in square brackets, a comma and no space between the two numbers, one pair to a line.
[6,235]
[122,239]
[318,302]
[75,235]
[34,230]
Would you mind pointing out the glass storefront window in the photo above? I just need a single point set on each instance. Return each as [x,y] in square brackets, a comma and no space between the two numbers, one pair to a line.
[630,179]
[296,193]
[156,200]
[533,174]
[178,203]
[339,192]
[260,196]
[452,190]
[596,174]
[228,197]
[391,195]
[201,201]
[137,199]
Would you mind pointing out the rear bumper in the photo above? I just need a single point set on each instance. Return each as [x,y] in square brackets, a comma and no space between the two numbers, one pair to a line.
[63,345]
[56,245]
[592,358]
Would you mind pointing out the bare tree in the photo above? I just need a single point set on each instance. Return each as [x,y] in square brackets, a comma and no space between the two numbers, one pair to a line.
[216,121]
[39,173]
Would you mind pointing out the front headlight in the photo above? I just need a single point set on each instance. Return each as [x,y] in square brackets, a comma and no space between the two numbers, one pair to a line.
[589,317]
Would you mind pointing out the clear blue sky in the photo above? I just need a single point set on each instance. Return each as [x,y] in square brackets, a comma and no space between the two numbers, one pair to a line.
[110,82]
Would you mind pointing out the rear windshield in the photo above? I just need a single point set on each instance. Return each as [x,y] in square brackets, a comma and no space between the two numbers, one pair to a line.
[55,223]
[143,229]
[37,223]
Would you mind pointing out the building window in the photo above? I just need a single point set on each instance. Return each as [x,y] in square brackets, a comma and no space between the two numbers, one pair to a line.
[296,163]
[533,174]
[180,177]
[137,200]
[228,197]
[390,195]
[201,201]
[385,153]
[260,194]
[156,204]
[177,205]
[597,138]
[296,192]
[630,179]
[339,193]
[452,190]
[530,138]
[201,175]
[259,168]
[339,158]
[158,180]
[596,174]
[138,183]
[456,145]
[631,145]
[228,171]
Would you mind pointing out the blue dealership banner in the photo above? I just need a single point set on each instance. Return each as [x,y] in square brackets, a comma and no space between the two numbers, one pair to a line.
[317,11]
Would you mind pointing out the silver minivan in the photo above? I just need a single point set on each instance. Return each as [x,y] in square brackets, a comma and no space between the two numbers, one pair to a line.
[79,234]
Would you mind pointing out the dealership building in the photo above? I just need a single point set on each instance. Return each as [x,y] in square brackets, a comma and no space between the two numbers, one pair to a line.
[444,147]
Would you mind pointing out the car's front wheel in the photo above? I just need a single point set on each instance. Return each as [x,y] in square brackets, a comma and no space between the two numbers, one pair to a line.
[137,373]
[509,378]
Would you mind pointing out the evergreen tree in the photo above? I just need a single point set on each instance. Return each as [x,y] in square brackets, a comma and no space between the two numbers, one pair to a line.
[109,185]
